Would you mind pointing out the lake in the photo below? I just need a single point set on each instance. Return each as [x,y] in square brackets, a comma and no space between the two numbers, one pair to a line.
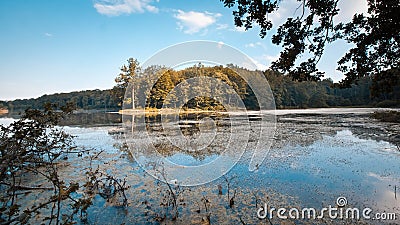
[316,156]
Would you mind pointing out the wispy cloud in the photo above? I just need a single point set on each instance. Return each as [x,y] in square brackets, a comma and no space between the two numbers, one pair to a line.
[118,7]
[253,45]
[240,29]
[222,26]
[260,66]
[192,22]
[270,58]
[264,62]
[48,34]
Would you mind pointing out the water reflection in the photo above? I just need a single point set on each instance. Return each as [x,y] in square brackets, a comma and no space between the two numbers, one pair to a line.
[83,119]
[195,148]
[91,119]
[315,158]
[292,130]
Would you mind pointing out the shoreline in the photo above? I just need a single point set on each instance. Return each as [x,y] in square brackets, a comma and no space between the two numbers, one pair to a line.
[336,110]
[3,111]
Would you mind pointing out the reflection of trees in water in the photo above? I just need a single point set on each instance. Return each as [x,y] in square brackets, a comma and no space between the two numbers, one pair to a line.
[88,119]
[190,125]
[85,119]
[299,129]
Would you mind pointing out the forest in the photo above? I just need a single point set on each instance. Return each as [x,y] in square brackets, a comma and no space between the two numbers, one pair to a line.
[83,100]
[288,93]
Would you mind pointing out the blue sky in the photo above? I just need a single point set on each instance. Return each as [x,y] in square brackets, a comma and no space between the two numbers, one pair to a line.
[53,46]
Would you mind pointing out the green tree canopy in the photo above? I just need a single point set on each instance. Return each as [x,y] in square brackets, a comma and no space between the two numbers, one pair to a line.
[126,75]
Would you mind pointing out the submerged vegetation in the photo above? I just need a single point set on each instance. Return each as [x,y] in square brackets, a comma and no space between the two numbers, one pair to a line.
[33,153]
[47,179]
[387,116]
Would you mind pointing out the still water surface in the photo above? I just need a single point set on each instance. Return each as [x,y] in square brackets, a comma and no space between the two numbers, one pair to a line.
[316,157]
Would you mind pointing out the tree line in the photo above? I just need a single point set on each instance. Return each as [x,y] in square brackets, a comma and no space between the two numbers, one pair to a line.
[83,100]
[325,93]
[288,93]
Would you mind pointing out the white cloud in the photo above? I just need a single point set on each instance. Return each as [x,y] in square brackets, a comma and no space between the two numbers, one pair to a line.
[48,34]
[240,29]
[349,8]
[264,62]
[223,26]
[270,58]
[253,45]
[260,66]
[118,7]
[192,22]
